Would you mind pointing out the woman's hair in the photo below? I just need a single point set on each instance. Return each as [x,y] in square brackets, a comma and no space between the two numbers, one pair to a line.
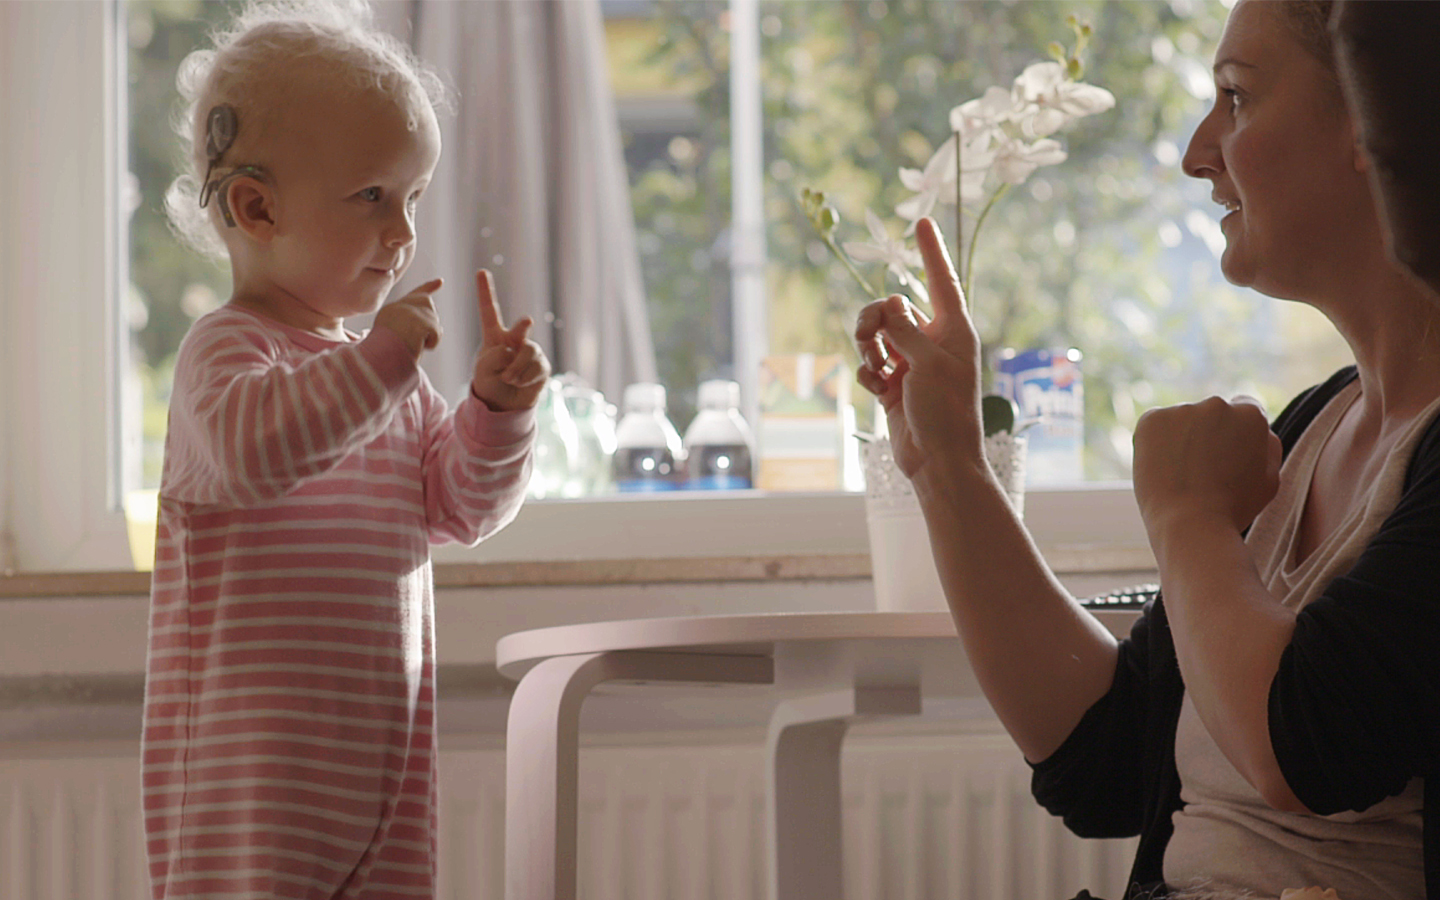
[255,62]
[1391,76]
[1309,20]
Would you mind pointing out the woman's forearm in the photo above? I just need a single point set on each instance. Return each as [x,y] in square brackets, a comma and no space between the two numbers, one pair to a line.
[1229,635]
[1041,659]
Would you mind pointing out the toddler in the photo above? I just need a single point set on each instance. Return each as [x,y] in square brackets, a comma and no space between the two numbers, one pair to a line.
[289,736]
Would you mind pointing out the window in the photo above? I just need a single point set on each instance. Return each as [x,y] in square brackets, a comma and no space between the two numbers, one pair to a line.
[59,260]
[1113,252]
[848,92]
[170,286]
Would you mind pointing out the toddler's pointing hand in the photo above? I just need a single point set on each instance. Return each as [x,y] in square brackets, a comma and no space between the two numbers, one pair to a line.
[510,369]
[413,317]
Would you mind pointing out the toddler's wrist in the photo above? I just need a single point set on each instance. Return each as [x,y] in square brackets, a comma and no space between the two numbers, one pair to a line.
[391,356]
[493,404]
[475,393]
[413,343]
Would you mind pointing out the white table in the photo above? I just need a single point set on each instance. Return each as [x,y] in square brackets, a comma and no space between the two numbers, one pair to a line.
[822,671]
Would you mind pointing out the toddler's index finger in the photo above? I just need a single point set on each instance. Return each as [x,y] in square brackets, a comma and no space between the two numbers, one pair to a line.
[422,290]
[492,328]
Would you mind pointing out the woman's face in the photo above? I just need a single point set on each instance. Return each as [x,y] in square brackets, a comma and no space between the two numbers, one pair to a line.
[1279,151]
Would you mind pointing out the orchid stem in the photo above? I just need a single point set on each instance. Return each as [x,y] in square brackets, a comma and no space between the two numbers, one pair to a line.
[959,209]
[850,266]
[979,220]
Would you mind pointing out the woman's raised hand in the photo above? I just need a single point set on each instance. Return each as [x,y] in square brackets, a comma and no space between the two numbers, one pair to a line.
[926,373]
[1214,460]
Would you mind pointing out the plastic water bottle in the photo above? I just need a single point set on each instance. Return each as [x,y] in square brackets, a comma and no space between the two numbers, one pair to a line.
[557,447]
[595,427]
[719,446]
[648,455]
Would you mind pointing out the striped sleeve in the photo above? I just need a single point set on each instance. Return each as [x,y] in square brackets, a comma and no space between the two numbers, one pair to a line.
[477,466]
[248,426]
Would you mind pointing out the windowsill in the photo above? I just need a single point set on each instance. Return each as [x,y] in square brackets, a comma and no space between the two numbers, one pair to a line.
[689,538]
[1073,559]
[564,573]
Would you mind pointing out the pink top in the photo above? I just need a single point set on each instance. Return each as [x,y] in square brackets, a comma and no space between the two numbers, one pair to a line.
[289,746]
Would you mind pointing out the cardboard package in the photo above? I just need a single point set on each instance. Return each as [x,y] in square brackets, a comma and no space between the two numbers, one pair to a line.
[806,435]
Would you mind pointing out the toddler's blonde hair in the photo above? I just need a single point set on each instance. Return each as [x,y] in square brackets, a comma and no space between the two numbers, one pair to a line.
[254,63]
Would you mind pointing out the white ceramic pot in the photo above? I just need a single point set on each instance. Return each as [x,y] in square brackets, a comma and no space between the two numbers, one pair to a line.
[901,563]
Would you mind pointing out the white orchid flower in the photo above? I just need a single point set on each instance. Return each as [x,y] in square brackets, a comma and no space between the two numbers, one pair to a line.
[1015,159]
[937,181]
[972,184]
[983,115]
[976,158]
[1046,99]
[977,154]
[1002,131]
[936,185]
[898,258]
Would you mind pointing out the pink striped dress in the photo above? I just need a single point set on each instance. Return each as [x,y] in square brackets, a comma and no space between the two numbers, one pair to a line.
[289,734]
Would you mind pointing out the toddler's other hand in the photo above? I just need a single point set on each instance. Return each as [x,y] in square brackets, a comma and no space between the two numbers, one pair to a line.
[510,369]
[413,317]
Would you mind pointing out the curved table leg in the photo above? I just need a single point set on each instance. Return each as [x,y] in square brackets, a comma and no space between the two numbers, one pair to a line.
[542,746]
[803,799]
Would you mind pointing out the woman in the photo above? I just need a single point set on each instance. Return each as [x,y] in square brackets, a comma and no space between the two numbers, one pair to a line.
[1270,724]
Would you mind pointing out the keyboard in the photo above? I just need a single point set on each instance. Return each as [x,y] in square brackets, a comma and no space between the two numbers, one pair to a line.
[1126,598]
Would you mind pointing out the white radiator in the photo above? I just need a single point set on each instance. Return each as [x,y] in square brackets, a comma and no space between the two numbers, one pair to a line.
[70,829]
[926,818]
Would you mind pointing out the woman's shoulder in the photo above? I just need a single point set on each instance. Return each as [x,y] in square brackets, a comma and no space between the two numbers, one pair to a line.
[1307,405]
[1302,410]
[1425,461]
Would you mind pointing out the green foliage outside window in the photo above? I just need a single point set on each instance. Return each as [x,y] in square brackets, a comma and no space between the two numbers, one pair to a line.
[170,286]
[1077,256]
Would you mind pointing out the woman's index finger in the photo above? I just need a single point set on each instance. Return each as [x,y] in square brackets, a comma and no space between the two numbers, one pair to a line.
[940,277]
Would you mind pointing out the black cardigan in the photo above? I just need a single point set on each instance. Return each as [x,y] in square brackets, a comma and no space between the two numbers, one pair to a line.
[1354,707]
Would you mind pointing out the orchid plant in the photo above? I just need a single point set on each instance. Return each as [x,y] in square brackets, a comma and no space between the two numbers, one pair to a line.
[996,142]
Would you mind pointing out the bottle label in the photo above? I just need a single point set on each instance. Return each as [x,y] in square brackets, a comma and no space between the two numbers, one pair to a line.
[644,469]
[719,467]
[718,483]
[643,487]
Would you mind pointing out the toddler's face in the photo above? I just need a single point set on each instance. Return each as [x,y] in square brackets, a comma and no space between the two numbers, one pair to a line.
[348,176]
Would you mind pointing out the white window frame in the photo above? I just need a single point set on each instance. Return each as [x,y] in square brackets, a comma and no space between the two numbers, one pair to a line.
[59,258]
[60,265]
[750,319]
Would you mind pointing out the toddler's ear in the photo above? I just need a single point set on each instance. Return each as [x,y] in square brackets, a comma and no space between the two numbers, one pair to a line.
[253,205]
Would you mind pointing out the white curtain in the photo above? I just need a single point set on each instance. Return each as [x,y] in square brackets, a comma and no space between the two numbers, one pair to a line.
[532,185]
